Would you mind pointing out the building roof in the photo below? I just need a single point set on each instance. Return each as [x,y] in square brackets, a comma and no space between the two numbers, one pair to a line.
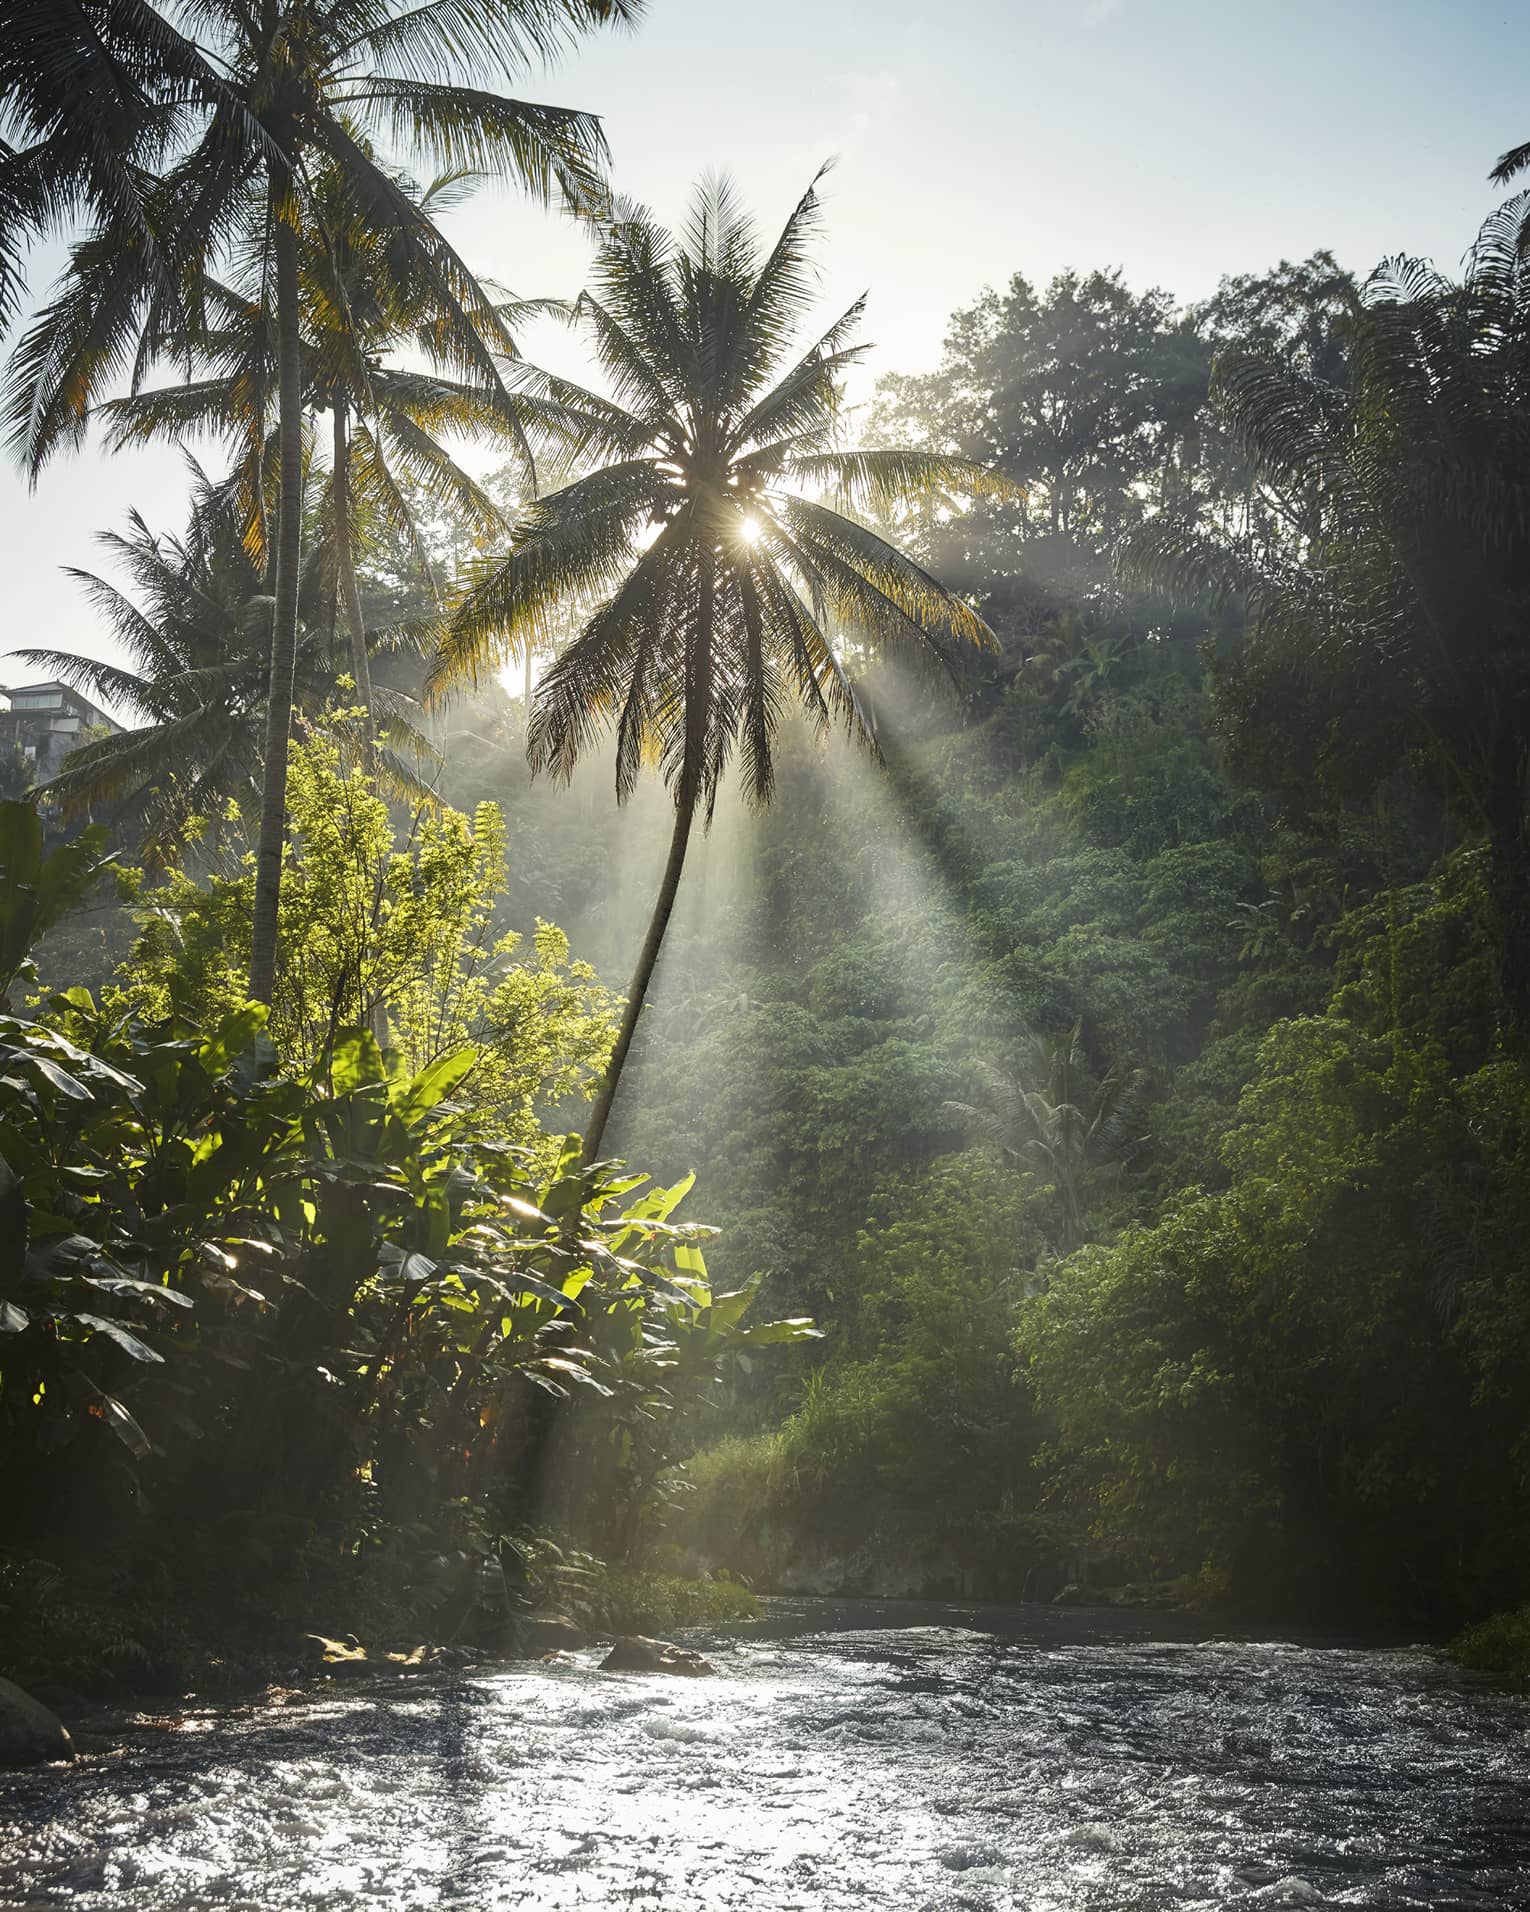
[19,696]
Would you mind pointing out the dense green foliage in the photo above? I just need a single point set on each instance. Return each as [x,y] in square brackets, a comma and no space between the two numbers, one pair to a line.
[1125,1057]
[1144,1130]
[373,931]
[331,1325]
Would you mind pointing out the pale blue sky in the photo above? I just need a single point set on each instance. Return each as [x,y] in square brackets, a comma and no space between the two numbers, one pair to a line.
[1177,139]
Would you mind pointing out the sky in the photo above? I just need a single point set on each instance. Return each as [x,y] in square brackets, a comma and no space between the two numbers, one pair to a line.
[1179,140]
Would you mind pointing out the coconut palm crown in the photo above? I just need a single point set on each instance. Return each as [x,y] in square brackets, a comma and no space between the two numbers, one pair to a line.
[359,305]
[298,86]
[93,95]
[716,545]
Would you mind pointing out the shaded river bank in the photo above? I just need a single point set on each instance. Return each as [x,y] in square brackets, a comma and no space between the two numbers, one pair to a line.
[939,1759]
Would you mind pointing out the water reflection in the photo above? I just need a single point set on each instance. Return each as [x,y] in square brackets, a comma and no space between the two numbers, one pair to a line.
[957,1762]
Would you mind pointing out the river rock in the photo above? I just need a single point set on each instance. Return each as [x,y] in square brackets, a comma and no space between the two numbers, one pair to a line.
[63,1700]
[343,1659]
[533,1634]
[458,1656]
[633,1653]
[29,1733]
[316,1648]
[417,1659]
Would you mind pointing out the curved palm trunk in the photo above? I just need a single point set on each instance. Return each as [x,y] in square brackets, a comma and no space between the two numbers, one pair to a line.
[345,560]
[653,942]
[289,552]
[698,699]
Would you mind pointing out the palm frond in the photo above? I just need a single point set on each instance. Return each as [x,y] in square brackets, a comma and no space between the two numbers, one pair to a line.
[576,543]
[918,597]
[885,481]
[593,679]
[1510,165]
[547,150]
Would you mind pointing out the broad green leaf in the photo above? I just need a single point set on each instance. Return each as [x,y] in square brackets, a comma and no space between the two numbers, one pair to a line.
[356,1062]
[61,1079]
[114,1331]
[728,1310]
[416,1097]
[149,1290]
[122,1424]
[233,1038]
[660,1203]
[775,1333]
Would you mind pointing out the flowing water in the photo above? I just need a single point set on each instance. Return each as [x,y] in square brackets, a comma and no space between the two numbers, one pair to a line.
[933,1759]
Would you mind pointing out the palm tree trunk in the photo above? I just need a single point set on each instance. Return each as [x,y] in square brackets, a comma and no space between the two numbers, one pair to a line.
[289,552]
[361,668]
[698,700]
[653,942]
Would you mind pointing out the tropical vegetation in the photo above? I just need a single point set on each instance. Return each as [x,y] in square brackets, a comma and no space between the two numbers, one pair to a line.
[1094,1016]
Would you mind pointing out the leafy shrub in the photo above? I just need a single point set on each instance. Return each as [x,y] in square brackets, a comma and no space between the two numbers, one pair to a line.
[1499,1645]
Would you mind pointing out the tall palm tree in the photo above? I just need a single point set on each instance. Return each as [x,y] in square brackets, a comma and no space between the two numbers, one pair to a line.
[387,423]
[194,626]
[715,580]
[302,86]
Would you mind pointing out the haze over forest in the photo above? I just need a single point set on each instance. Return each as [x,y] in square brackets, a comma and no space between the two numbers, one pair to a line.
[765,842]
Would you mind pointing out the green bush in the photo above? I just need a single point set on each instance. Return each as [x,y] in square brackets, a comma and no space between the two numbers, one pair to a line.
[297,1330]
[1500,1645]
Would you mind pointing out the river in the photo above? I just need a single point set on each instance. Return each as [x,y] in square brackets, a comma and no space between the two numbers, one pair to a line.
[933,1759]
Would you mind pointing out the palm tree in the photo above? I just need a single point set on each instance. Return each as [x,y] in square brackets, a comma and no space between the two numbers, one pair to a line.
[1052,1114]
[1392,631]
[299,87]
[714,580]
[95,94]
[194,626]
[387,422]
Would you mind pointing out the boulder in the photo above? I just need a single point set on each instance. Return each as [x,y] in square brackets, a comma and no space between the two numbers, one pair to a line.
[418,1659]
[355,1666]
[634,1654]
[29,1733]
[63,1700]
[316,1648]
[341,1659]
[533,1634]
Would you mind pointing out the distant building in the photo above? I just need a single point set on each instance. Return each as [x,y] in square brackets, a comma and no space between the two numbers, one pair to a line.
[45,722]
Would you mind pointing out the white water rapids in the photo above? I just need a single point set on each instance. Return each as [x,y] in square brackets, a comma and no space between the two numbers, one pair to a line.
[932,1760]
